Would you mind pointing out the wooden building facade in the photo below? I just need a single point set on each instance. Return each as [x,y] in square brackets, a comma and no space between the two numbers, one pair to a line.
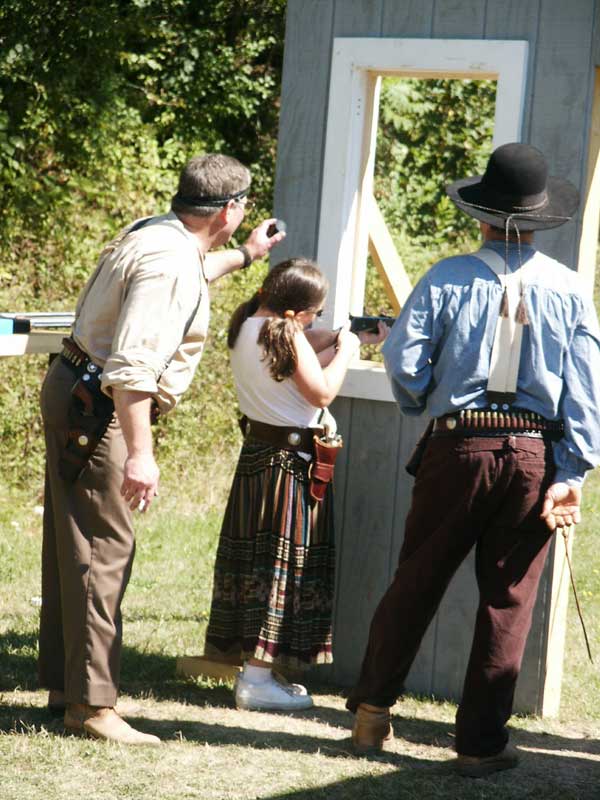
[559,97]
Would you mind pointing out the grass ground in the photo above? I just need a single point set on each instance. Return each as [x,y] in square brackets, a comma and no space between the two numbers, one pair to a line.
[213,752]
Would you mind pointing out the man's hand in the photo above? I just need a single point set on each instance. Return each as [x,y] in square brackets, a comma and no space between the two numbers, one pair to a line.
[140,473]
[561,506]
[258,243]
[367,337]
[140,481]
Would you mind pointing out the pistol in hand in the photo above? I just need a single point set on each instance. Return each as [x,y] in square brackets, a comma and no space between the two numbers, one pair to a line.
[368,324]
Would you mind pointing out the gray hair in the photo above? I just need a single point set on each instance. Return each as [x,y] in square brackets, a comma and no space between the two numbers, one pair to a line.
[213,178]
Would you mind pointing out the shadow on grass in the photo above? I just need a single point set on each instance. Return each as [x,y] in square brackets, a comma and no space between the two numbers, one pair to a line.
[18,661]
[565,762]
[553,767]
[410,781]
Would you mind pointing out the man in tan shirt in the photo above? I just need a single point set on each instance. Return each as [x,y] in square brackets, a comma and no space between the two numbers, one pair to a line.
[140,327]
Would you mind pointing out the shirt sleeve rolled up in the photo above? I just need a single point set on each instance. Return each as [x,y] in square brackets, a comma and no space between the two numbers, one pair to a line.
[159,298]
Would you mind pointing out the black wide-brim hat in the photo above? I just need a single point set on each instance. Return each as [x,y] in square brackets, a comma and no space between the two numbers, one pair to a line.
[516,185]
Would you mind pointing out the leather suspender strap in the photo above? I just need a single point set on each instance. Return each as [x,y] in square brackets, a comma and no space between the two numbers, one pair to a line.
[506,350]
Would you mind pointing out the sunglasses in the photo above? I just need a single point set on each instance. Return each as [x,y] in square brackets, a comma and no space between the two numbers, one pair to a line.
[246,202]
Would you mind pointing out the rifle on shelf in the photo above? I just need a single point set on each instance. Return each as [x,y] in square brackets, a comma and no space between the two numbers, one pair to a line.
[25,322]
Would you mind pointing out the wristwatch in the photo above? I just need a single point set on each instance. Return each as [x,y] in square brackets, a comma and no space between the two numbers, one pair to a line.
[247,257]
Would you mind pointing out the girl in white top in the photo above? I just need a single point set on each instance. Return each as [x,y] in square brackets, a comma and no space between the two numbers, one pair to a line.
[274,572]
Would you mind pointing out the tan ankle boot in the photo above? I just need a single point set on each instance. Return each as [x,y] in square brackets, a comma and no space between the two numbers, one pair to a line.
[103,723]
[479,766]
[372,730]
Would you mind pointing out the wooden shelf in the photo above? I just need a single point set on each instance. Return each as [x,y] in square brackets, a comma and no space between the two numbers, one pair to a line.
[20,344]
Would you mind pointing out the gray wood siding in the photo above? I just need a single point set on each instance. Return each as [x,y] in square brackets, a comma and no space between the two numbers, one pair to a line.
[302,124]
[411,18]
[372,488]
[458,19]
[560,103]
[596,38]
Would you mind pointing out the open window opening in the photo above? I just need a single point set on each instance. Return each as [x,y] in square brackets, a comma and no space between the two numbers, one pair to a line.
[360,213]
[430,132]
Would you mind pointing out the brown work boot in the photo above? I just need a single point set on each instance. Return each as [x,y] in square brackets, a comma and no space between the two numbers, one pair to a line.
[372,730]
[479,766]
[103,723]
[56,702]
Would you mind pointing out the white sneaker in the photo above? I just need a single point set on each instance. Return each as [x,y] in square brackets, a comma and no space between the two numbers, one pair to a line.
[269,696]
[292,688]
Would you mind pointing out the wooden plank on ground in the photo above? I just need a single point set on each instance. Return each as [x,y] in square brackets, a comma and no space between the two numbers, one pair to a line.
[201,667]
[302,124]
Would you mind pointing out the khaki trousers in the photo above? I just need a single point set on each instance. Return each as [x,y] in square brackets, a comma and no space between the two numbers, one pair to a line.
[87,554]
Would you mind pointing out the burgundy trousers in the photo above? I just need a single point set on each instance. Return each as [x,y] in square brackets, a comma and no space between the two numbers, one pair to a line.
[485,492]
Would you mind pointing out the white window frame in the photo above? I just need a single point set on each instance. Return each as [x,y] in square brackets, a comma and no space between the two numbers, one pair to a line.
[356,70]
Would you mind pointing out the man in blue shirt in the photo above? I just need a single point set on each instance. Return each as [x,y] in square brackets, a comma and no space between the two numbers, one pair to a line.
[502,349]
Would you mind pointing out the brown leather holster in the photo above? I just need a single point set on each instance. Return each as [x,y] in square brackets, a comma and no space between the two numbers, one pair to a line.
[321,467]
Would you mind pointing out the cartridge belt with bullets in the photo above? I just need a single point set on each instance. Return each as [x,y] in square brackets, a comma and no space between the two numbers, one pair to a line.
[497,422]
[76,358]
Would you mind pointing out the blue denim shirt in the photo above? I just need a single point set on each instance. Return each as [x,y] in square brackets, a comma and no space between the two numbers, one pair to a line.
[437,355]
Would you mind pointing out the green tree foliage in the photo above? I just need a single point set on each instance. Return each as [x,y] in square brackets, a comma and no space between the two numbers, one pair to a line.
[101,102]
[431,132]
[100,105]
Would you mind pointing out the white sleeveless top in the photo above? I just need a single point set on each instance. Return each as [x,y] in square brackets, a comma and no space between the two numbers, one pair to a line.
[260,396]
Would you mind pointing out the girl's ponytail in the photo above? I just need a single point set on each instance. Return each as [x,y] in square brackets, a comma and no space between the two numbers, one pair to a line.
[277,340]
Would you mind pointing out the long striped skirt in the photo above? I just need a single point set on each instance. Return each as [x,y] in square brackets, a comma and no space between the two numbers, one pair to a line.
[274,571]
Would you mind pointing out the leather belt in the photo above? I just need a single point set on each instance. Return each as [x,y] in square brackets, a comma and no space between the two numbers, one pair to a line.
[80,363]
[488,422]
[284,438]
